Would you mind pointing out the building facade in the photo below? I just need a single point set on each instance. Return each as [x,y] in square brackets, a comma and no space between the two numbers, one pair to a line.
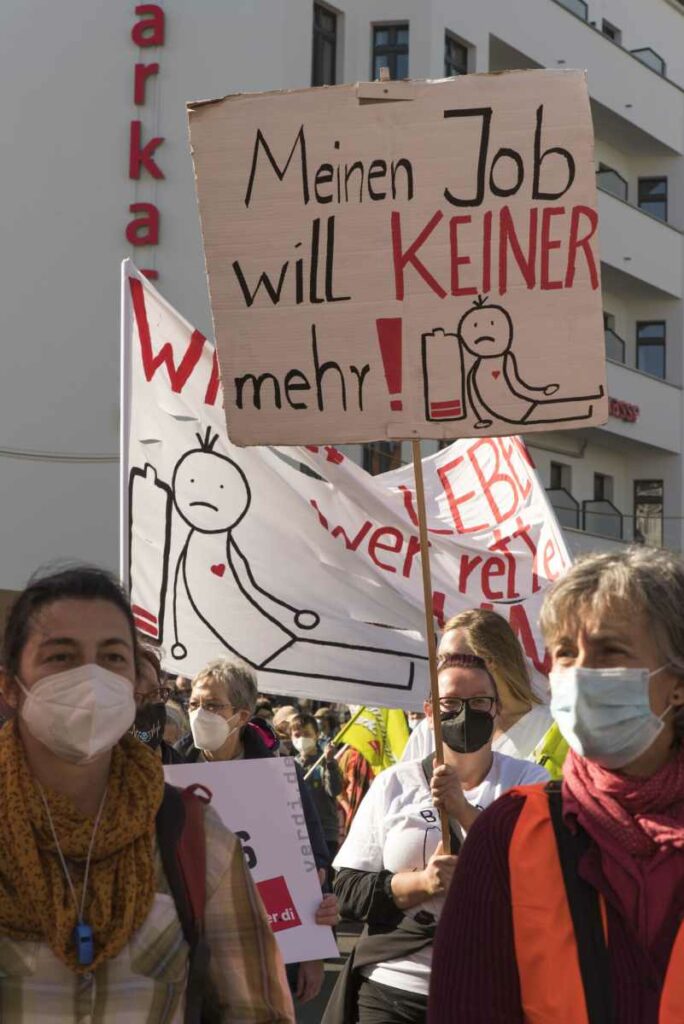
[97,167]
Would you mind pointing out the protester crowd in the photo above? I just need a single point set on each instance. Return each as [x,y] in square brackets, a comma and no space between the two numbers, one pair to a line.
[536,875]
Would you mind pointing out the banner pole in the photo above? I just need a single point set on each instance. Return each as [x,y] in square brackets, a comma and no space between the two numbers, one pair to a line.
[429,624]
[335,740]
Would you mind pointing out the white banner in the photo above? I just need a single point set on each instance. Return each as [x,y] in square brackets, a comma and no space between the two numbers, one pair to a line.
[314,581]
[259,801]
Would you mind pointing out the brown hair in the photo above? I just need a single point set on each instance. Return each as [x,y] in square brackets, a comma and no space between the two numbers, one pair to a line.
[77,582]
[467,661]
[151,656]
[489,636]
[301,721]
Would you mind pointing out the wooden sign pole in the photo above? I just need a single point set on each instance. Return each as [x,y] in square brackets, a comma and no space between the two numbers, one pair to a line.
[429,624]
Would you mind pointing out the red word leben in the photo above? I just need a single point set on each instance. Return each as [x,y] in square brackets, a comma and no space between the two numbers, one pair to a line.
[143,228]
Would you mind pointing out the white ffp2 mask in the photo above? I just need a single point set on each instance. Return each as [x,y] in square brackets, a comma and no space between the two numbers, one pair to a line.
[304,744]
[210,731]
[79,713]
[604,713]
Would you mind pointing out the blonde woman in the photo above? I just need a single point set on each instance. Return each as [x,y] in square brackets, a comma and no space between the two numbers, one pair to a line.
[524,727]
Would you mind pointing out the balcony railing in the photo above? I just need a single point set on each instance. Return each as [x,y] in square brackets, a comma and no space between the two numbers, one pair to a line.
[578,7]
[566,507]
[651,59]
[615,346]
[610,181]
[646,55]
[602,518]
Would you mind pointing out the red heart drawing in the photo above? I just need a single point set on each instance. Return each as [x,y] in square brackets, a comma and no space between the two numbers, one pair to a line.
[218,569]
[496,374]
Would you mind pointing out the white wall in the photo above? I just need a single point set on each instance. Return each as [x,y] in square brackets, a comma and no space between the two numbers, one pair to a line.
[66,72]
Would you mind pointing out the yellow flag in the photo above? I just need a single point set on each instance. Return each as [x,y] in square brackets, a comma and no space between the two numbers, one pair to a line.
[379,734]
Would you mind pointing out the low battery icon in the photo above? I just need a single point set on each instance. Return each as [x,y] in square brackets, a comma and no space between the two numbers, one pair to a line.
[443,376]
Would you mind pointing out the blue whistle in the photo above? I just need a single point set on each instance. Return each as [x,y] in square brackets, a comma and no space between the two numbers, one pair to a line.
[85,944]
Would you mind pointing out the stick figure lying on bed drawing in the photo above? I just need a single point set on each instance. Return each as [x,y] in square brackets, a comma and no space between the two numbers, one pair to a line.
[212,495]
[496,391]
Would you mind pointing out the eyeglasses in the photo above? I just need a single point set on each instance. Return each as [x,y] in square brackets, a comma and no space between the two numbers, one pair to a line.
[455,705]
[160,695]
[212,706]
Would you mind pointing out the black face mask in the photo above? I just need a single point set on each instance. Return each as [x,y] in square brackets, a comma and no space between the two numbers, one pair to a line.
[149,725]
[467,731]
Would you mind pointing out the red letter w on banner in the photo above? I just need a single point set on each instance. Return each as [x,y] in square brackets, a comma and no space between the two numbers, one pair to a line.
[178,376]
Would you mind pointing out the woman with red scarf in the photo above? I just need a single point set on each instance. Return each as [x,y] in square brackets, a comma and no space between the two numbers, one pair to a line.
[567,904]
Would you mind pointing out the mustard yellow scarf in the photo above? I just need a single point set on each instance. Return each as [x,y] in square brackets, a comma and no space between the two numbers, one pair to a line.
[35,899]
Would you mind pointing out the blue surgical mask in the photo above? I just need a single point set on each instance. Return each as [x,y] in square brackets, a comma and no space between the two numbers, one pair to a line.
[604,713]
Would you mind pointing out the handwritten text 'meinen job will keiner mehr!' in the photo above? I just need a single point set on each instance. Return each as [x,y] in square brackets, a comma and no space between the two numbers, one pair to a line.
[539,242]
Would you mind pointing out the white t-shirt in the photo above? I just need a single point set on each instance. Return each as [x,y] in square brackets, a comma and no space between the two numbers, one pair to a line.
[520,740]
[396,828]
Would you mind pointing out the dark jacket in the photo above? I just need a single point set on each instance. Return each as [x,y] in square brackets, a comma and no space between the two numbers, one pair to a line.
[254,747]
[170,755]
[325,784]
[388,935]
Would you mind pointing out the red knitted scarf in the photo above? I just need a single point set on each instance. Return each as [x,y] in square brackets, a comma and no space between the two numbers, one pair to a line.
[640,814]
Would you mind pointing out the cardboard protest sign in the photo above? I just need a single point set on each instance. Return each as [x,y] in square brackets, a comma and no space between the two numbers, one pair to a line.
[410,259]
[314,581]
[258,800]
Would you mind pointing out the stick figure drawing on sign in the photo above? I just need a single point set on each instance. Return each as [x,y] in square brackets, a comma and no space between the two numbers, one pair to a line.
[495,389]
[212,495]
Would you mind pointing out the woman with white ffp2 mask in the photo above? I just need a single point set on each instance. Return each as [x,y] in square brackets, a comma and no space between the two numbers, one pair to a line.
[87,909]
[606,847]
[218,713]
[222,700]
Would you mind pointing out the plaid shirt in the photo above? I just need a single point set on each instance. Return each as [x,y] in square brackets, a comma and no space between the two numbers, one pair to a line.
[145,983]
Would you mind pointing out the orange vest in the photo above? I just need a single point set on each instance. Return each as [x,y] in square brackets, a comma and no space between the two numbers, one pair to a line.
[551,985]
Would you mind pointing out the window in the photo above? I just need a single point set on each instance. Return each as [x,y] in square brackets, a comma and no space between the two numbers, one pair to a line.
[603,487]
[615,346]
[324,46]
[648,512]
[653,197]
[381,456]
[610,181]
[612,31]
[651,59]
[390,50]
[561,477]
[455,57]
[578,7]
[651,347]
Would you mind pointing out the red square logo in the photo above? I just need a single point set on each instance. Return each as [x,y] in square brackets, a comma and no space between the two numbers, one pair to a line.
[279,904]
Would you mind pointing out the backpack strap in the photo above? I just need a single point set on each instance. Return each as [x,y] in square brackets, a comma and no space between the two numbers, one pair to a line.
[181,843]
[191,853]
[428,764]
[585,910]
[170,824]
